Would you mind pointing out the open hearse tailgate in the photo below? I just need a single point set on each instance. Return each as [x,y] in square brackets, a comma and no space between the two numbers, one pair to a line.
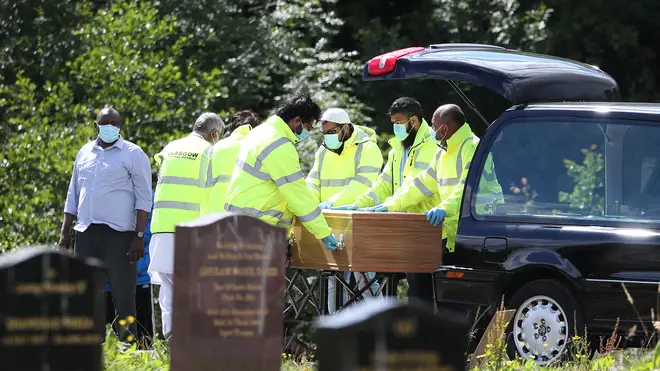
[518,76]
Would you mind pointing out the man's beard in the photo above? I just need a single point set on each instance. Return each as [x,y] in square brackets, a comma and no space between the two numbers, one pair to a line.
[410,139]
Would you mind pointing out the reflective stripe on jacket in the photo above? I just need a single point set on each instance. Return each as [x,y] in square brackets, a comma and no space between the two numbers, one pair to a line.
[444,178]
[181,186]
[223,161]
[268,182]
[341,178]
[391,179]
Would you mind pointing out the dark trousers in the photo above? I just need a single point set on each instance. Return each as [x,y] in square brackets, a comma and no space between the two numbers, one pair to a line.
[144,307]
[110,246]
[420,285]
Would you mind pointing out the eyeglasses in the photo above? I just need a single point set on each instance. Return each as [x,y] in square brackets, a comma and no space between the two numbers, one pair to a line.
[334,130]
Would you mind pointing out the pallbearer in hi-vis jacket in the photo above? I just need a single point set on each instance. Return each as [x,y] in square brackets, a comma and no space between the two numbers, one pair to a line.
[268,183]
[223,159]
[445,178]
[180,192]
[345,166]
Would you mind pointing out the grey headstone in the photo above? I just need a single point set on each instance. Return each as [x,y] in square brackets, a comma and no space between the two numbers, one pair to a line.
[228,294]
[52,311]
[388,335]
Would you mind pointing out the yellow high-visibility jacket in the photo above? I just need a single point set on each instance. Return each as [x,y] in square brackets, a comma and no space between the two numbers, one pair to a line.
[181,187]
[268,183]
[223,161]
[341,178]
[401,167]
[446,178]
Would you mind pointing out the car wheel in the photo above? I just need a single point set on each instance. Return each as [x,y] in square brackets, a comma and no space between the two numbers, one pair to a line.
[547,314]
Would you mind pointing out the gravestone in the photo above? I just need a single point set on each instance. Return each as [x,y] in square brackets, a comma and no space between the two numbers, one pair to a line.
[228,294]
[388,335]
[52,311]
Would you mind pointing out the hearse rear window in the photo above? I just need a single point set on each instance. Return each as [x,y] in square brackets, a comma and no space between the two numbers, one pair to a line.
[557,168]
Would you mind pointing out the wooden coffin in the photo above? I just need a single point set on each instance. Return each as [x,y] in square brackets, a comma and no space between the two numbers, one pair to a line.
[372,242]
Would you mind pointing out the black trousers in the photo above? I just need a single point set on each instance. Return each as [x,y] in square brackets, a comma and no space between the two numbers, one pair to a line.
[144,307]
[420,285]
[111,246]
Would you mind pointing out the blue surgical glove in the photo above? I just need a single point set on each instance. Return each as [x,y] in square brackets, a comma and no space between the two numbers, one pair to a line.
[330,242]
[435,216]
[345,207]
[375,209]
[325,205]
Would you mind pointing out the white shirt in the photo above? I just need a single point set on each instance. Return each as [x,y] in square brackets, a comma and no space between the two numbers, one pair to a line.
[108,185]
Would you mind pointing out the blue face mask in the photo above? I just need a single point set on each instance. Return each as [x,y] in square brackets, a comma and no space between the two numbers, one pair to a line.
[439,141]
[108,133]
[303,134]
[400,131]
[332,141]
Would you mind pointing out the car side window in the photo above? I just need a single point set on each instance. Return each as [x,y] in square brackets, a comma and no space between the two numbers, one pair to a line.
[641,173]
[550,167]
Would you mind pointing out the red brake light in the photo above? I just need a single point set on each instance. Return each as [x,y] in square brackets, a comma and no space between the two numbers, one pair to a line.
[385,63]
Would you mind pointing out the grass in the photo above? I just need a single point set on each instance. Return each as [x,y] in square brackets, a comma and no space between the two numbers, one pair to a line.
[119,356]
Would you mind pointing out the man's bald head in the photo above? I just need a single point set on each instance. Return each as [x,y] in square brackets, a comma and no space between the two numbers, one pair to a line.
[450,115]
[108,115]
[447,119]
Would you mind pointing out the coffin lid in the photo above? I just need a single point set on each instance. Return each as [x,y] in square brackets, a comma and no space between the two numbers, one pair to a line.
[520,77]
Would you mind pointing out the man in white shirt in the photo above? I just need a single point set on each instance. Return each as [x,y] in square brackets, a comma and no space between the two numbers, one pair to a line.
[110,197]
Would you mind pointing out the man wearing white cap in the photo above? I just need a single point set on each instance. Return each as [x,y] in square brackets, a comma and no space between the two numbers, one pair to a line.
[345,165]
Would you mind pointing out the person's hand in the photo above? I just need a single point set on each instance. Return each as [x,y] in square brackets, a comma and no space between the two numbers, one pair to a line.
[330,242]
[65,239]
[380,209]
[136,250]
[325,205]
[435,216]
[375,209]
[346,207]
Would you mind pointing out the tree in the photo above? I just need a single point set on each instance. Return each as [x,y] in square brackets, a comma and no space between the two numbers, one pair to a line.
[127,58]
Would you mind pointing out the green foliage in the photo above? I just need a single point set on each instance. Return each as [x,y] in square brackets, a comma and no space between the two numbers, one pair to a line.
[589,179]
[36,160]
[130,60]
[127,58]
[118,356]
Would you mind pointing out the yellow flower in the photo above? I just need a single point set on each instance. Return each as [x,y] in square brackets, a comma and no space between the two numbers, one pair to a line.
[129,338]
[130,319]
[284,355]
[122,322]
[576,338]
[532,356]
[545,345]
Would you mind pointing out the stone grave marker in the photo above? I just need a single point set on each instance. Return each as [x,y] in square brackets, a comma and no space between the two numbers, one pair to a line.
[228,294]
[52,311]
[388,335]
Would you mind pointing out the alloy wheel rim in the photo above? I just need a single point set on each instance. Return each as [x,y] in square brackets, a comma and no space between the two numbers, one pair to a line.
[540,329]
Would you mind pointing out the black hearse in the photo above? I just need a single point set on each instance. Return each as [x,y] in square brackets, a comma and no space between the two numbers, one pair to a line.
[578,235]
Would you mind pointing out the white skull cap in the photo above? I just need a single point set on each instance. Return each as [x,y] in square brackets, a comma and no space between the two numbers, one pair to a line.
[336,115]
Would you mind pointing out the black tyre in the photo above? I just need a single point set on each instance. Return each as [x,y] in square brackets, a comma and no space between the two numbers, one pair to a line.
[547,315]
